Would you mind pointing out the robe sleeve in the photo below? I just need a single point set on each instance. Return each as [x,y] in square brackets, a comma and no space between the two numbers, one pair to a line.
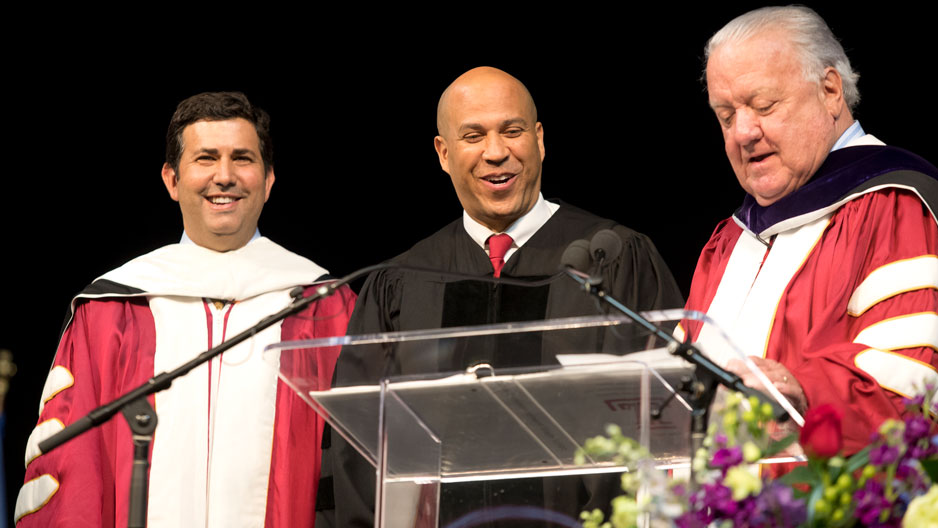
[298,429]
[870,329]
[83,482]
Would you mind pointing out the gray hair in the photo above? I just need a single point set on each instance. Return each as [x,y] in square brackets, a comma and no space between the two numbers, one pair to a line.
[818,46]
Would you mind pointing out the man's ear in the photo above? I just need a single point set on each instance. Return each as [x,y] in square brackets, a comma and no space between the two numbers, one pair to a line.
[443,152]
[171,182]
[268,183]
[832,90]
[539,130]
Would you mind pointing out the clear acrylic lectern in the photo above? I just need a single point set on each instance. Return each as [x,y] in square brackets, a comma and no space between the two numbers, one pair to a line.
[489,423]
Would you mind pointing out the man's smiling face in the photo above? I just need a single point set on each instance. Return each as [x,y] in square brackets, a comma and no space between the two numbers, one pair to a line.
[221,185]
[492,146]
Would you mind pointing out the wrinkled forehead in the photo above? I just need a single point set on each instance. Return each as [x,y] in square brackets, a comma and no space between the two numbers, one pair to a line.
[763,59]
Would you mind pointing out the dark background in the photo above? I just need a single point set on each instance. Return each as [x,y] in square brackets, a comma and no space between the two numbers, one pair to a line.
[628,135]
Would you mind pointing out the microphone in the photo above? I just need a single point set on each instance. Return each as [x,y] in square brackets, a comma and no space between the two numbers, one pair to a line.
[604,245]
[576,256]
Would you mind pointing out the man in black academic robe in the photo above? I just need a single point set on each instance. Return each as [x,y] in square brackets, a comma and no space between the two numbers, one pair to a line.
[491,145]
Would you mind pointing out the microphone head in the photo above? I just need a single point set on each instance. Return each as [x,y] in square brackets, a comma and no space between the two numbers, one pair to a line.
[576,256]
[607,241]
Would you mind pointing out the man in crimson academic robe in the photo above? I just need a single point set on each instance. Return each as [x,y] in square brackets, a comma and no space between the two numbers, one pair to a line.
[234,446]
[491,145]
[827,274]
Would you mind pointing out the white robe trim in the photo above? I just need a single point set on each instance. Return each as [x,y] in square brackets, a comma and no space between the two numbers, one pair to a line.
[188,270]
[59,379]
[897,373]
[212,447]
[34,495]
[892,279]
[747,298]
[41,432]
[906,331]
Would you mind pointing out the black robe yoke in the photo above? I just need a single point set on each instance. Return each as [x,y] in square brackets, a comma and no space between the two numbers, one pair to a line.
[393,300]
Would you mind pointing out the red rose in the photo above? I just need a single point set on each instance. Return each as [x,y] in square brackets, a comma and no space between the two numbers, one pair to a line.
[821,435]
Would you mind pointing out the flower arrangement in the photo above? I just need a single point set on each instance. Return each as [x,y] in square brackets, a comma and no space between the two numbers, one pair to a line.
[891,482]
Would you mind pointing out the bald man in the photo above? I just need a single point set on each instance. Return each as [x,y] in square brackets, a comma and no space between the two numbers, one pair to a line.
[492,146]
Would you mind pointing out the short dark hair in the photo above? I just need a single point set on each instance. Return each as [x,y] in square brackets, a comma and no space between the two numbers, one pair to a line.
[217,106]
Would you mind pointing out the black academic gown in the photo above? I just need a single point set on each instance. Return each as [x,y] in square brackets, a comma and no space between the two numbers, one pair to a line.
[393,300]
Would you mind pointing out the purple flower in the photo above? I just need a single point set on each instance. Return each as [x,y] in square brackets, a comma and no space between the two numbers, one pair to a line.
[727,457]
[908,472]
[870,503]
[916,428]
[884,454]
[917,401]
[777,506]
[720,439]
[903,471]
[719,500]
[691,519]
[744,512]
[918,452]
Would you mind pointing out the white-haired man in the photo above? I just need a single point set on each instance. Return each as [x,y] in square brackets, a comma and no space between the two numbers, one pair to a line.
[828,271]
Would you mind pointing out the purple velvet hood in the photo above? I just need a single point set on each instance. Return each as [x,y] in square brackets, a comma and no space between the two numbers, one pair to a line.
[846,172]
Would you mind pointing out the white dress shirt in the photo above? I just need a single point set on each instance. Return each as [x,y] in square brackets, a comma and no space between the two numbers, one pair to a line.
[520,231]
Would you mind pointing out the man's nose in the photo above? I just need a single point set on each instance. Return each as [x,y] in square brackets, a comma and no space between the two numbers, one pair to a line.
[747,127]
[225,175]
[496,151]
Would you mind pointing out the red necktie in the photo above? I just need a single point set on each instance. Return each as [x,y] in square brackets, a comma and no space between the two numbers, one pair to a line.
[498,246]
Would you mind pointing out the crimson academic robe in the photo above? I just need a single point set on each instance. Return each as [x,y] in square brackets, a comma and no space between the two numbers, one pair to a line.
[234,446]
[837,281]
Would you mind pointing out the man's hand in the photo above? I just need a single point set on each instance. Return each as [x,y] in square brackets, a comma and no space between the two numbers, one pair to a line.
[777,373]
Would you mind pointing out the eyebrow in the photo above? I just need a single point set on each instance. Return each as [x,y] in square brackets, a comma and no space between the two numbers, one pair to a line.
[235,152]
[758,92]
[507,122]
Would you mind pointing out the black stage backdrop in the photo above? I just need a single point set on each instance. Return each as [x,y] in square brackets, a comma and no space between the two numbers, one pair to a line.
[628,135]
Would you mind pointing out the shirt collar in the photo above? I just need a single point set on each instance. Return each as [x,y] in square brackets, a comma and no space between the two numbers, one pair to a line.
[855,131]
[520,231]
[186,240]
